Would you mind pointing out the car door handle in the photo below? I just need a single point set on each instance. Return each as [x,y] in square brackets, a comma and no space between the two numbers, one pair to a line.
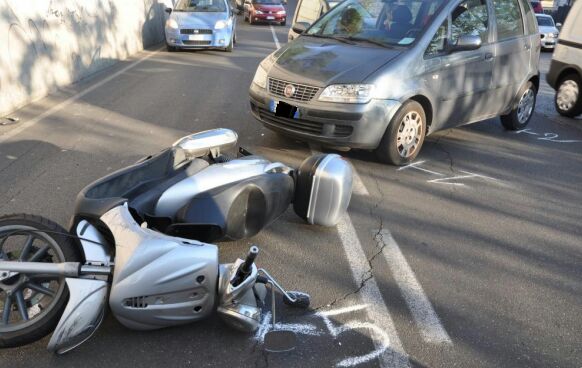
[488,56]
[527,46]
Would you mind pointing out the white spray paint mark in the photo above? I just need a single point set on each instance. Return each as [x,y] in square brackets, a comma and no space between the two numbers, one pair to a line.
[73,98]
[454,180]
[422,311]
[275,37]
[416,166]
[526,131]
[335,312]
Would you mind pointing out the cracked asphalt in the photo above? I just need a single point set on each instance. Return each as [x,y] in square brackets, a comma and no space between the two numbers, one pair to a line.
[488,220]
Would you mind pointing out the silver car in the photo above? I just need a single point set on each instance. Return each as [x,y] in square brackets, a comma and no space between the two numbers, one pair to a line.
[383,74]
[195,24]
[548,31]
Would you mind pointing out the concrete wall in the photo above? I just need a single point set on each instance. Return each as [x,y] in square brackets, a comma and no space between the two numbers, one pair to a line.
[45,44]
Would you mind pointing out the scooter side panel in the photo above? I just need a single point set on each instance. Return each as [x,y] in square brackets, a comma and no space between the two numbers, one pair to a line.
[159,280]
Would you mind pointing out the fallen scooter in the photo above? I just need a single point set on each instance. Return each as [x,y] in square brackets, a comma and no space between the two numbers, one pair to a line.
[139,242]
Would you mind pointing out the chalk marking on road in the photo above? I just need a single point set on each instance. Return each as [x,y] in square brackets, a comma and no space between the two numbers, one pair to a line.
[377,311]
[421,308]
[526,131]
[469,175]
[4,137]
[416,166]
[275,36]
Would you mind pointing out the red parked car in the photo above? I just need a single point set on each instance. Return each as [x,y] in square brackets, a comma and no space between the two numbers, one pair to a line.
[270,11]
[537,7]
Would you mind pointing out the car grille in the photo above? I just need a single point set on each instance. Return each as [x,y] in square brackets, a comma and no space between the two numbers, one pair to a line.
[197,43]
[304,126]
[302,92]
[195,31]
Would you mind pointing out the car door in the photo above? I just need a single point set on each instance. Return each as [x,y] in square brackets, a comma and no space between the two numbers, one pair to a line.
[461,80]
[513,51]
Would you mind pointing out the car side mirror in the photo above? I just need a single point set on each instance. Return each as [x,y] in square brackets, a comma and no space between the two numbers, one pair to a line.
[168,10]
[466,43]
[300,27]
[559,25]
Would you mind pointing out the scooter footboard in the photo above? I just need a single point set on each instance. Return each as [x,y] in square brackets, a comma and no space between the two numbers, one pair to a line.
[82,316]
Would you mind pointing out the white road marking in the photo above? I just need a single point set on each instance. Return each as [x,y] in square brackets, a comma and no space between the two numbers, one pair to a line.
[4,137]
[275,36]
[422,311]
[377,311]
[358,185]
[394,355]
[469,175]
[416,165]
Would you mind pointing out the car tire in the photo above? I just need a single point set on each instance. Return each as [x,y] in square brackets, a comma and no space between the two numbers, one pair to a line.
[284,23]
[404,136]
[171,48]
[63,248]
[520,116]
[230,46]
[568,98]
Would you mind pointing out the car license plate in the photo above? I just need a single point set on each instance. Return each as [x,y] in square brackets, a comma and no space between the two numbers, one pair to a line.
[283,109]
[270,18]
[197,37]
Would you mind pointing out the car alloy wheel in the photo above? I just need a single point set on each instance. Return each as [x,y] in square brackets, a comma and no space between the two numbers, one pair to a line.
[409,134]
[568,94]
[525,106]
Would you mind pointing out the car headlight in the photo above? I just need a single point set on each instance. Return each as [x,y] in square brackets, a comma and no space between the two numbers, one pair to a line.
[222,24]
[348,93]
[172,24]
[258,12]
[556,35]
[281,12]
[260,78]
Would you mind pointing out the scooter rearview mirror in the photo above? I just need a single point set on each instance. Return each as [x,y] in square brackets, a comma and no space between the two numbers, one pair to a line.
[280,341]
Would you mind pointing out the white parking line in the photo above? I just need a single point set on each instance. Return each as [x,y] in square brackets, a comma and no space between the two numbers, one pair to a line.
[422,311]
[4,137]
[275,36]
[377,312]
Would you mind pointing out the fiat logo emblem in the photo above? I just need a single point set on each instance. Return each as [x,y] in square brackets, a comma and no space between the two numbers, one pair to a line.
[289,90]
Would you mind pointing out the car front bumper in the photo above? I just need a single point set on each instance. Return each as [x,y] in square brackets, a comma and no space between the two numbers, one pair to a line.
[219,38]
[269,17]
[328,123]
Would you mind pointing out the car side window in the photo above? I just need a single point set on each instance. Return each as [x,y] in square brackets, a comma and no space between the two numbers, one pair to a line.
[438,43]
[470,18]
[309,11]
[509,19]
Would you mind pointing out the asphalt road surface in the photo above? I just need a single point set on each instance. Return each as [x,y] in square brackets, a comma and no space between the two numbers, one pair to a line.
[470,257]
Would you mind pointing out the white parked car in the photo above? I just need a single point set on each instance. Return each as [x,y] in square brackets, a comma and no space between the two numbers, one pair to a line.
[548,31]
[565,74]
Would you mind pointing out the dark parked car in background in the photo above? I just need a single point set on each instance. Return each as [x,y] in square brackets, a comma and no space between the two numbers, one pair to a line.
[383,74]
[537,7]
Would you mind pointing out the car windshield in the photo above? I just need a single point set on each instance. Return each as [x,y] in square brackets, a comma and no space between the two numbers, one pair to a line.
[217,6]
[384,23]
[545,21]
[267,2]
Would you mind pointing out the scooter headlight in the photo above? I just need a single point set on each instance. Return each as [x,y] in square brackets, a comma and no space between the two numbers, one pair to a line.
[348,93]
[172,24]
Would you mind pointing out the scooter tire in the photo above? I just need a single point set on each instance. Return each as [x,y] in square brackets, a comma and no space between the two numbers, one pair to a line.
[65,249]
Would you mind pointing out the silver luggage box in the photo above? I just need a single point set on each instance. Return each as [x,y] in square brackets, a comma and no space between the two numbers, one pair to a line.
[323,189]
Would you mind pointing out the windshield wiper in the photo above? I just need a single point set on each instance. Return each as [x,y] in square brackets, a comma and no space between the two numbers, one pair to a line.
[373,42]
[337,38]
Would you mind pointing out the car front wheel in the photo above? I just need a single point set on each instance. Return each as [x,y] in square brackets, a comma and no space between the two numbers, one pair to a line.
[404,136]
[568,98]
[519,117]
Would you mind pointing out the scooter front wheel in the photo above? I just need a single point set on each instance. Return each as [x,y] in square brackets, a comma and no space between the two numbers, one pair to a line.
[32,304]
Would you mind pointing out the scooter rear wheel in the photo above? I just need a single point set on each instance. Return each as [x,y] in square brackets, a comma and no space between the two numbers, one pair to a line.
[31,305]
